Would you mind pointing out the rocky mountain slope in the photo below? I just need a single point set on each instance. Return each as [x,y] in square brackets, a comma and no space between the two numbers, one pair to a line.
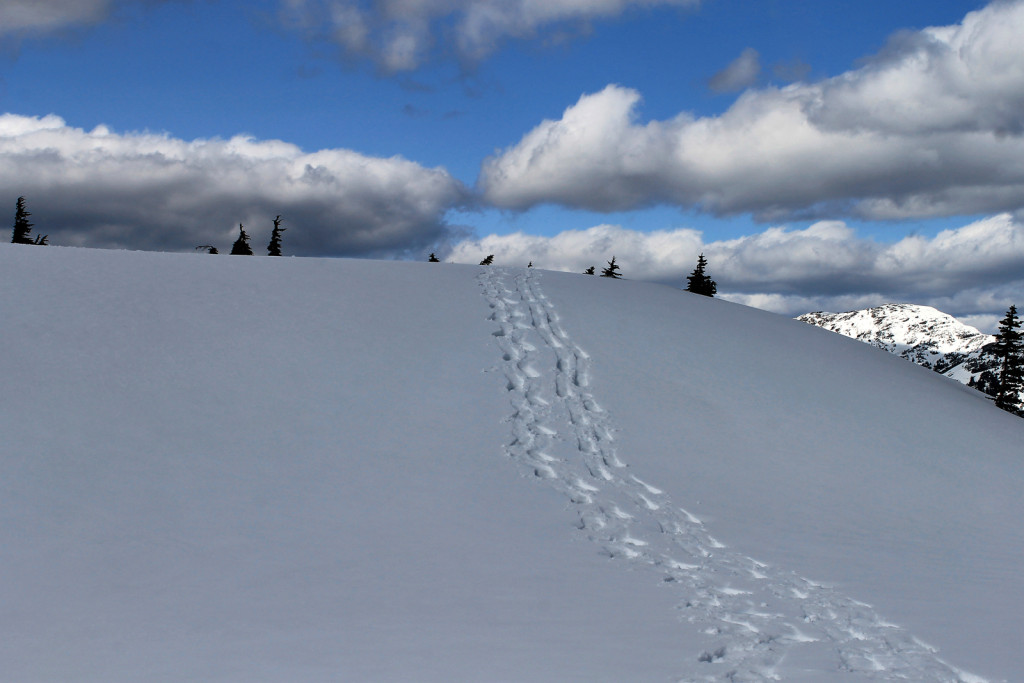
[920,334]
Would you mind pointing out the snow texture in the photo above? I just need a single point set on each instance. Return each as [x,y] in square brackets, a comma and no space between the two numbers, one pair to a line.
[255,469]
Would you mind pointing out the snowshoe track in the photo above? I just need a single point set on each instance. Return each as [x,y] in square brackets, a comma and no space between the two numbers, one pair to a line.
[754,615]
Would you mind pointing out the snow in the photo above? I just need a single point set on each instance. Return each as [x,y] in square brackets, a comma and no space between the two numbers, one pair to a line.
[276,469]
[903,326]
[921,334]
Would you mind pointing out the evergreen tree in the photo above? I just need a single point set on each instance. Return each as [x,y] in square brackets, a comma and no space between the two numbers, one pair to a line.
[1009,349]
[433,259]
[488,261]
[589,271]
[987,382]
[612,270]
[530,264]
[698,282]
[274,248]
[241,246]
[22,228]
[210,249]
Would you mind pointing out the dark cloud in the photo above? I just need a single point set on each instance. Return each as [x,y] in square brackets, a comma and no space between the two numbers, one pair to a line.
[741,73]
[148,191]
[928,128]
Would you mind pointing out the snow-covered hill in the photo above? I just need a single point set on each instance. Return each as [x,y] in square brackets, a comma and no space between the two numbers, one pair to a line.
[258,469]
[920,334]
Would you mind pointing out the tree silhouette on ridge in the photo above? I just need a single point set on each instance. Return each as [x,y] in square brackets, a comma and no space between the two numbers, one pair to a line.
[698,281]
[274,248]
[241,246]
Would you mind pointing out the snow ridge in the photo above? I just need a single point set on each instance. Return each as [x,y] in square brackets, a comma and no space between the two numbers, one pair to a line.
[758,619]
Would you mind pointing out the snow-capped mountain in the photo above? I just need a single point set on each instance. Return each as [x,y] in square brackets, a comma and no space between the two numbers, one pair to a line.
[921,334]
[216,468]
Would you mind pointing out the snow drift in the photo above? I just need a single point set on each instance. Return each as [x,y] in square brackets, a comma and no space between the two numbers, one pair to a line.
[256,469]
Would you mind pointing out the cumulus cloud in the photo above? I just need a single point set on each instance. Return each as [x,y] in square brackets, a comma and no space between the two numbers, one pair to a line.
[151,191]
[652,255]
[401,34]
[929,127]
[741,73]
[976,270]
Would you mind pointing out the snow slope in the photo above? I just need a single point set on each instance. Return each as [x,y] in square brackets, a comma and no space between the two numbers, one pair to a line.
[298,469]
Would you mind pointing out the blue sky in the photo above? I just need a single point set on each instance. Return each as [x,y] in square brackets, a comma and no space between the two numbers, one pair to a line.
[689,104]
[205,68]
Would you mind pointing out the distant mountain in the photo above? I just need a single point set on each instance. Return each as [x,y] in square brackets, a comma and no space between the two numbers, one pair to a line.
[922,335]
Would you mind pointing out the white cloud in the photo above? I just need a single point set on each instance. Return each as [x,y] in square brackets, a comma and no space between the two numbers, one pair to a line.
[593,157]
[975,270]
[741,73]
[46,15]
[928,128]
[968,77]
[35,17]
[985,323]
[400,34]
[151,191]
[652,255]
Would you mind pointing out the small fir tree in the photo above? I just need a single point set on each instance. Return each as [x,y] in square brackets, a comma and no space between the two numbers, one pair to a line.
[530,264]
[22,233]
[1009,349]
[612,270]
[210,249]
[241,246]
[488,261]
[274,248]
[589,271]
[987,382]
[433,259]
[698,281]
